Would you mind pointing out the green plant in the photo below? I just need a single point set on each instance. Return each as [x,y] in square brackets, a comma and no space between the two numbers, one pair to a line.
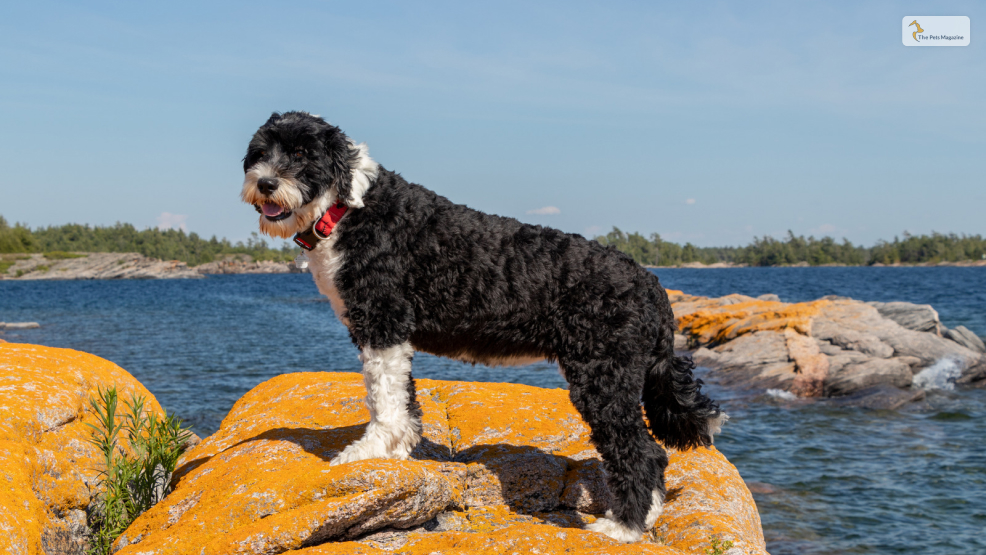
[719,547]
[133,479]
[62,255]
[41,268]
[5,265]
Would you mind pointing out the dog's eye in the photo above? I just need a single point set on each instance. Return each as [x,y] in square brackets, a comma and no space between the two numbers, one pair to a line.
[298,154]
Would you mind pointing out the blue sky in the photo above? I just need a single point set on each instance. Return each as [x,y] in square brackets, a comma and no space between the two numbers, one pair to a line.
[705,122]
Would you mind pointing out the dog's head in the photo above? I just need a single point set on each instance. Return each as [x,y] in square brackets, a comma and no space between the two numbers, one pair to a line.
[297,165]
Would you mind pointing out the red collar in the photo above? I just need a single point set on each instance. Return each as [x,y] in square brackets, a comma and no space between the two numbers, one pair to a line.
[322,228]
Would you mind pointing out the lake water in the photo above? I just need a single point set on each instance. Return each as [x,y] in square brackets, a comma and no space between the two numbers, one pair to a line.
[826,479]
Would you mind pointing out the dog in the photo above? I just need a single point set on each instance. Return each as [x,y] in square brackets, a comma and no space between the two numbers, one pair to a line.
[407,270]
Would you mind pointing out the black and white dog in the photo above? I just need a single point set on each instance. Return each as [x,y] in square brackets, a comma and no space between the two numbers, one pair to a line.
[406,269]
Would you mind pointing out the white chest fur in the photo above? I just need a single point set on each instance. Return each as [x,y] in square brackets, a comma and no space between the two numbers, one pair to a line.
[324,263]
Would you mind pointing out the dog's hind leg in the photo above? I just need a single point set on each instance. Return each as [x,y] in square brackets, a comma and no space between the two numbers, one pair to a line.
[609,401]
[395,416]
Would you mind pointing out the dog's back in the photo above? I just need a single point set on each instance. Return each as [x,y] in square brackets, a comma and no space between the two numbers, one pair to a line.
[488,288]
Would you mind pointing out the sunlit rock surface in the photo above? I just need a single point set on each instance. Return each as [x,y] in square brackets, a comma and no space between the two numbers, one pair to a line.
[48,470]
[502,469]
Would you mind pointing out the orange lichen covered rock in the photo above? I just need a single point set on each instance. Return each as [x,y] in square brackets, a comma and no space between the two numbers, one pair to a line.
[714,321]
[23,518]
[501,469]
[48,470]
[721,507]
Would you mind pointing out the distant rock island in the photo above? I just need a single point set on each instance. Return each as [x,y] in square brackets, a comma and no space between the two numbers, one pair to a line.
[112,265]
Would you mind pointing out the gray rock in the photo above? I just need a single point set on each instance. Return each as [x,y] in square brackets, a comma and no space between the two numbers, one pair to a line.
[756,360]
[917,317]
[66,533]
[828,348]
[100,265]
[850,346]
[913,362]
[963,336]
[19,325]
[928,347]
[845,358]
[974,374]
[853,377]
[850,339]
[243,264]
[769,297]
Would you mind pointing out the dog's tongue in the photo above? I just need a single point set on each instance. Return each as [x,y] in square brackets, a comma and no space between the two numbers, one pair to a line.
[271,209]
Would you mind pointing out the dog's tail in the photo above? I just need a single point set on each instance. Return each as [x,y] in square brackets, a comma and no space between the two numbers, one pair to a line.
[680,415]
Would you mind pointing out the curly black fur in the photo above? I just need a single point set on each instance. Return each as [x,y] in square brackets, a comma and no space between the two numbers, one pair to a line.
[456,282]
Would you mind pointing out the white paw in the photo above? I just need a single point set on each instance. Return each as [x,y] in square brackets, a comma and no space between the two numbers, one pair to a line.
[376,443]
[613,529]
[657,504]
[358,451]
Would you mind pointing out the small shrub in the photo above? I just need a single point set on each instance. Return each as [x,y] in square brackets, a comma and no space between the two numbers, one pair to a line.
[5,265]
[718,546]
[20,273]
[41,268]
[132,482]
[62,255]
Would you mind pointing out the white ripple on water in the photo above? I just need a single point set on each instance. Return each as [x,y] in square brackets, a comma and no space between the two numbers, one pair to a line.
[781,394]
[940,375]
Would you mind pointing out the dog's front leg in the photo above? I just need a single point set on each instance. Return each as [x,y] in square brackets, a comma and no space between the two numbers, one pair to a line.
[395,416]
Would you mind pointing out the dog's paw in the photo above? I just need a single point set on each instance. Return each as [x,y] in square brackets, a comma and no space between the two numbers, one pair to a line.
[376,444]
[609,526]
[360,451]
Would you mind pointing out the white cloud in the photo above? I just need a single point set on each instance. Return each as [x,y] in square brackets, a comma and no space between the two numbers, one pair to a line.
[690,201]
[167,220]
[545,211]
[825,229]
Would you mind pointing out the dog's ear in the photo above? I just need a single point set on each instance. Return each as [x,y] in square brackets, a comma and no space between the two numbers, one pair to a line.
[341,158]
[344,184]
[274,118]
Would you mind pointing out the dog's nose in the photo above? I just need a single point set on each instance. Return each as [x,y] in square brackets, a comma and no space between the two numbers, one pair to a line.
[267,185]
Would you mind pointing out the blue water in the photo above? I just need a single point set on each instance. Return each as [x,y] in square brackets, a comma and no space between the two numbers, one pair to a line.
[827,479]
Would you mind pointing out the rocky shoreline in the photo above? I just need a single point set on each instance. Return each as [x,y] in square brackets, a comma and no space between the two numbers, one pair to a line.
[104,265]
[107,265]
[715,265]
[881,354]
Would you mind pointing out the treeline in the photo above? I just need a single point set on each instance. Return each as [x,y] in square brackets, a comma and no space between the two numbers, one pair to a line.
[767,251]
[169,244]
[175,244]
